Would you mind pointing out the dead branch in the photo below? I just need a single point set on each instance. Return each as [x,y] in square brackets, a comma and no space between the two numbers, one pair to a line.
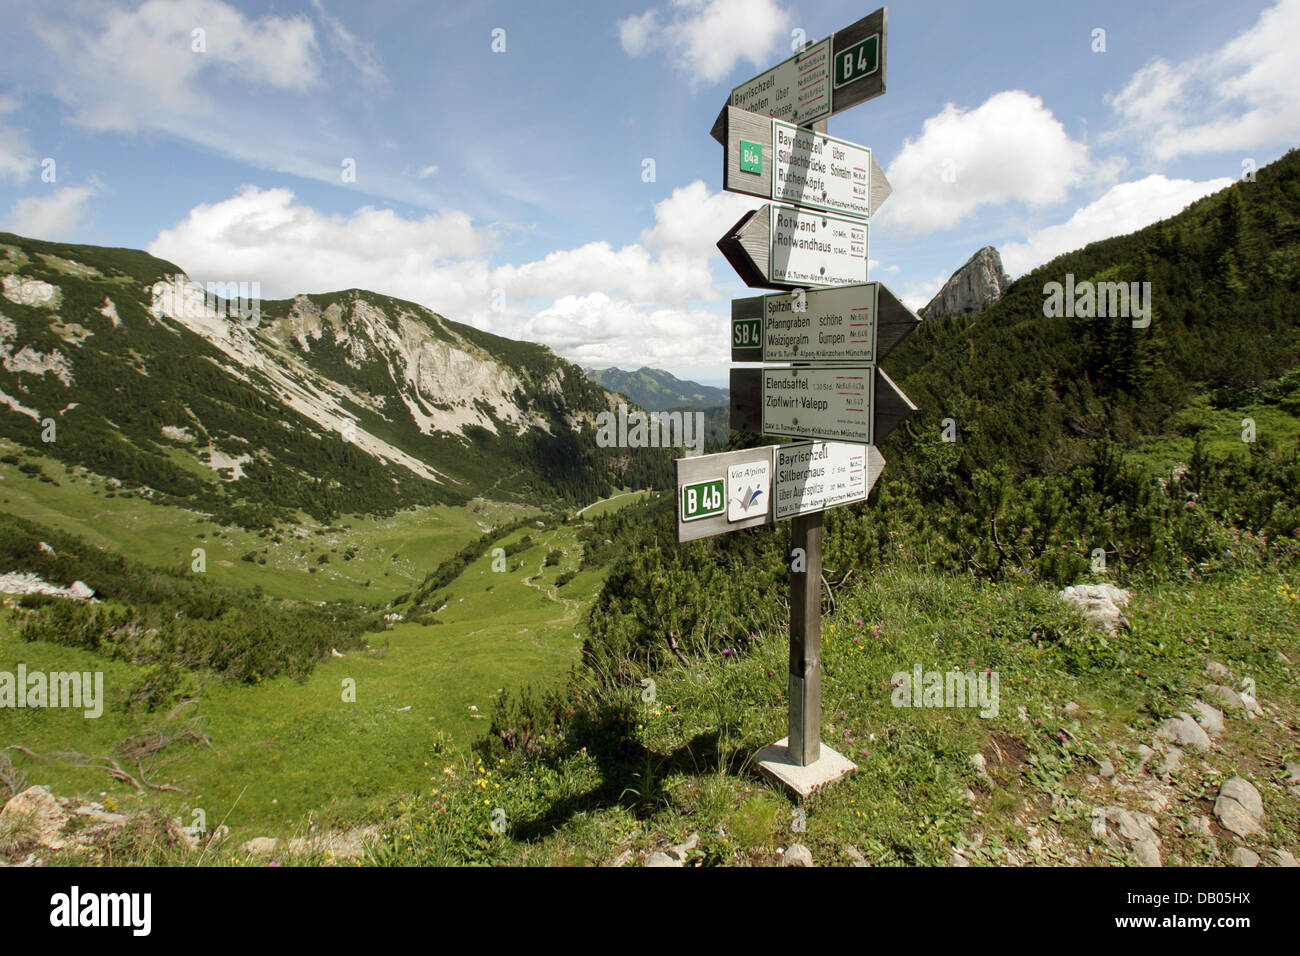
[828,593]
[676,649]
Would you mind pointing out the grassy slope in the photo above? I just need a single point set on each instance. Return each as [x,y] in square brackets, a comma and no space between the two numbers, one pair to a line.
[393,554]
[285,750]
[908,802]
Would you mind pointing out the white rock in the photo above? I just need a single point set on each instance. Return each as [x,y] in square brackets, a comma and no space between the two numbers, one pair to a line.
[798,855]
[1244,857]
[1100,604]
[39,816]
[1208,717]
[1148,854]
[1284,858]
[1239,808]
[260,846]
[1185,732]
[1224,695]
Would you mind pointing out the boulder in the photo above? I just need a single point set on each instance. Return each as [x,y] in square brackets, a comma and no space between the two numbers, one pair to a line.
[1244,857]
[1185,732]
[1208,717]
[37,815]
[1239,808]
[798,855]
[1100,604]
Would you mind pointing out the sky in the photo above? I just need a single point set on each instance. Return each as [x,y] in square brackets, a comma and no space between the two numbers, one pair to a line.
[544,170]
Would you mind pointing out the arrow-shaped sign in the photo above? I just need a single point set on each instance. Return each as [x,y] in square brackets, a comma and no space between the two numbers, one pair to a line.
[842,70]
[781,247]
[750,391]
[751,487]
[773,159]
[851,324]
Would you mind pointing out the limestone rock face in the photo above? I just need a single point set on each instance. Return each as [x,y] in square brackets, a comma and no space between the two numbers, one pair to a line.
[972,288]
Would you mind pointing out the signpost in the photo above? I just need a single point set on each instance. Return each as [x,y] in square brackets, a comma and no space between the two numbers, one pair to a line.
[772,159]
[818,403]
[842,70]
[889,406]
[756,486]
[848,325]
[829,325]
[786,247]
[814,476]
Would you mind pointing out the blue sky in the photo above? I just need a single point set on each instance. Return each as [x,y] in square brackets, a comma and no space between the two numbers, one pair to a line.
[508,187]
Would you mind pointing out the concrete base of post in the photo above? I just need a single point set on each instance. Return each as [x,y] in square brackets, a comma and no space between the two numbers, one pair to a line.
[775,762]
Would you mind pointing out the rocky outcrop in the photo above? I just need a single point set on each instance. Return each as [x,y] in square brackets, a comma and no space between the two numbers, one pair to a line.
[972,288]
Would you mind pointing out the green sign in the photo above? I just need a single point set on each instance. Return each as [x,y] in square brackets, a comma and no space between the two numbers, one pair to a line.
[854,62]
[704,499]
[746,333]
[751,157]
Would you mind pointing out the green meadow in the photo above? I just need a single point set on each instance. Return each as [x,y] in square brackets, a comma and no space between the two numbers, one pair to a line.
[363,727]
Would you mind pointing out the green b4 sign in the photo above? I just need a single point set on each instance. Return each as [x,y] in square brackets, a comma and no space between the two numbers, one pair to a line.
[704,499]
[861,59]
[751,157]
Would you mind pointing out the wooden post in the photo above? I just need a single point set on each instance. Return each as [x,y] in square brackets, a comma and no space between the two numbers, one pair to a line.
[806,643]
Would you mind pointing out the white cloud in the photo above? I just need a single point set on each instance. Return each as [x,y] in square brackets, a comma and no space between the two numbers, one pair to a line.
[361,55]
[597,301]
[426,171]
[55,216]
[1010,148]
[123,71]
[917,293]
[1124,208]
[707,38]
[1237,97]
[596,329]
[16,156]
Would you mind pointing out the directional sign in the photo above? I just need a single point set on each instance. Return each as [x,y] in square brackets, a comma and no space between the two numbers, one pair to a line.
[889,406]
[851,324]
[813,476]
[773,159]
[818,403]
[724,492]
[798,88]
[782,247]
[843,70]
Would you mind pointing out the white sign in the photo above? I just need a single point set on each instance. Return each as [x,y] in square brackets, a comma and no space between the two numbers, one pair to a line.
[797,89]
[811,476]
[827,325]
[816,249]
[749,489]
[820,171]
[831,403]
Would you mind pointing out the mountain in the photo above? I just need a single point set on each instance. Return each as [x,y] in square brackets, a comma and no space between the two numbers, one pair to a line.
[656,390]
[972,288]
[343,402]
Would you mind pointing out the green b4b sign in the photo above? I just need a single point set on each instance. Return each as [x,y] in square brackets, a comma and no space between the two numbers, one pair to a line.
[704,499]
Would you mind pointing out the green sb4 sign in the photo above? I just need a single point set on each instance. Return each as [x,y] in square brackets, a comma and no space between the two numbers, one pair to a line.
[747,333]
[704,499]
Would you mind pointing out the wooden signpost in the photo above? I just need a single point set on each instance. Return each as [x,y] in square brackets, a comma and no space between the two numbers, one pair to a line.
[830,327]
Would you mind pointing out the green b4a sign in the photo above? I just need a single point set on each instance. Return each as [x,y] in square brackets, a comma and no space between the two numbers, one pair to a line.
[704,499]
[751,157]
